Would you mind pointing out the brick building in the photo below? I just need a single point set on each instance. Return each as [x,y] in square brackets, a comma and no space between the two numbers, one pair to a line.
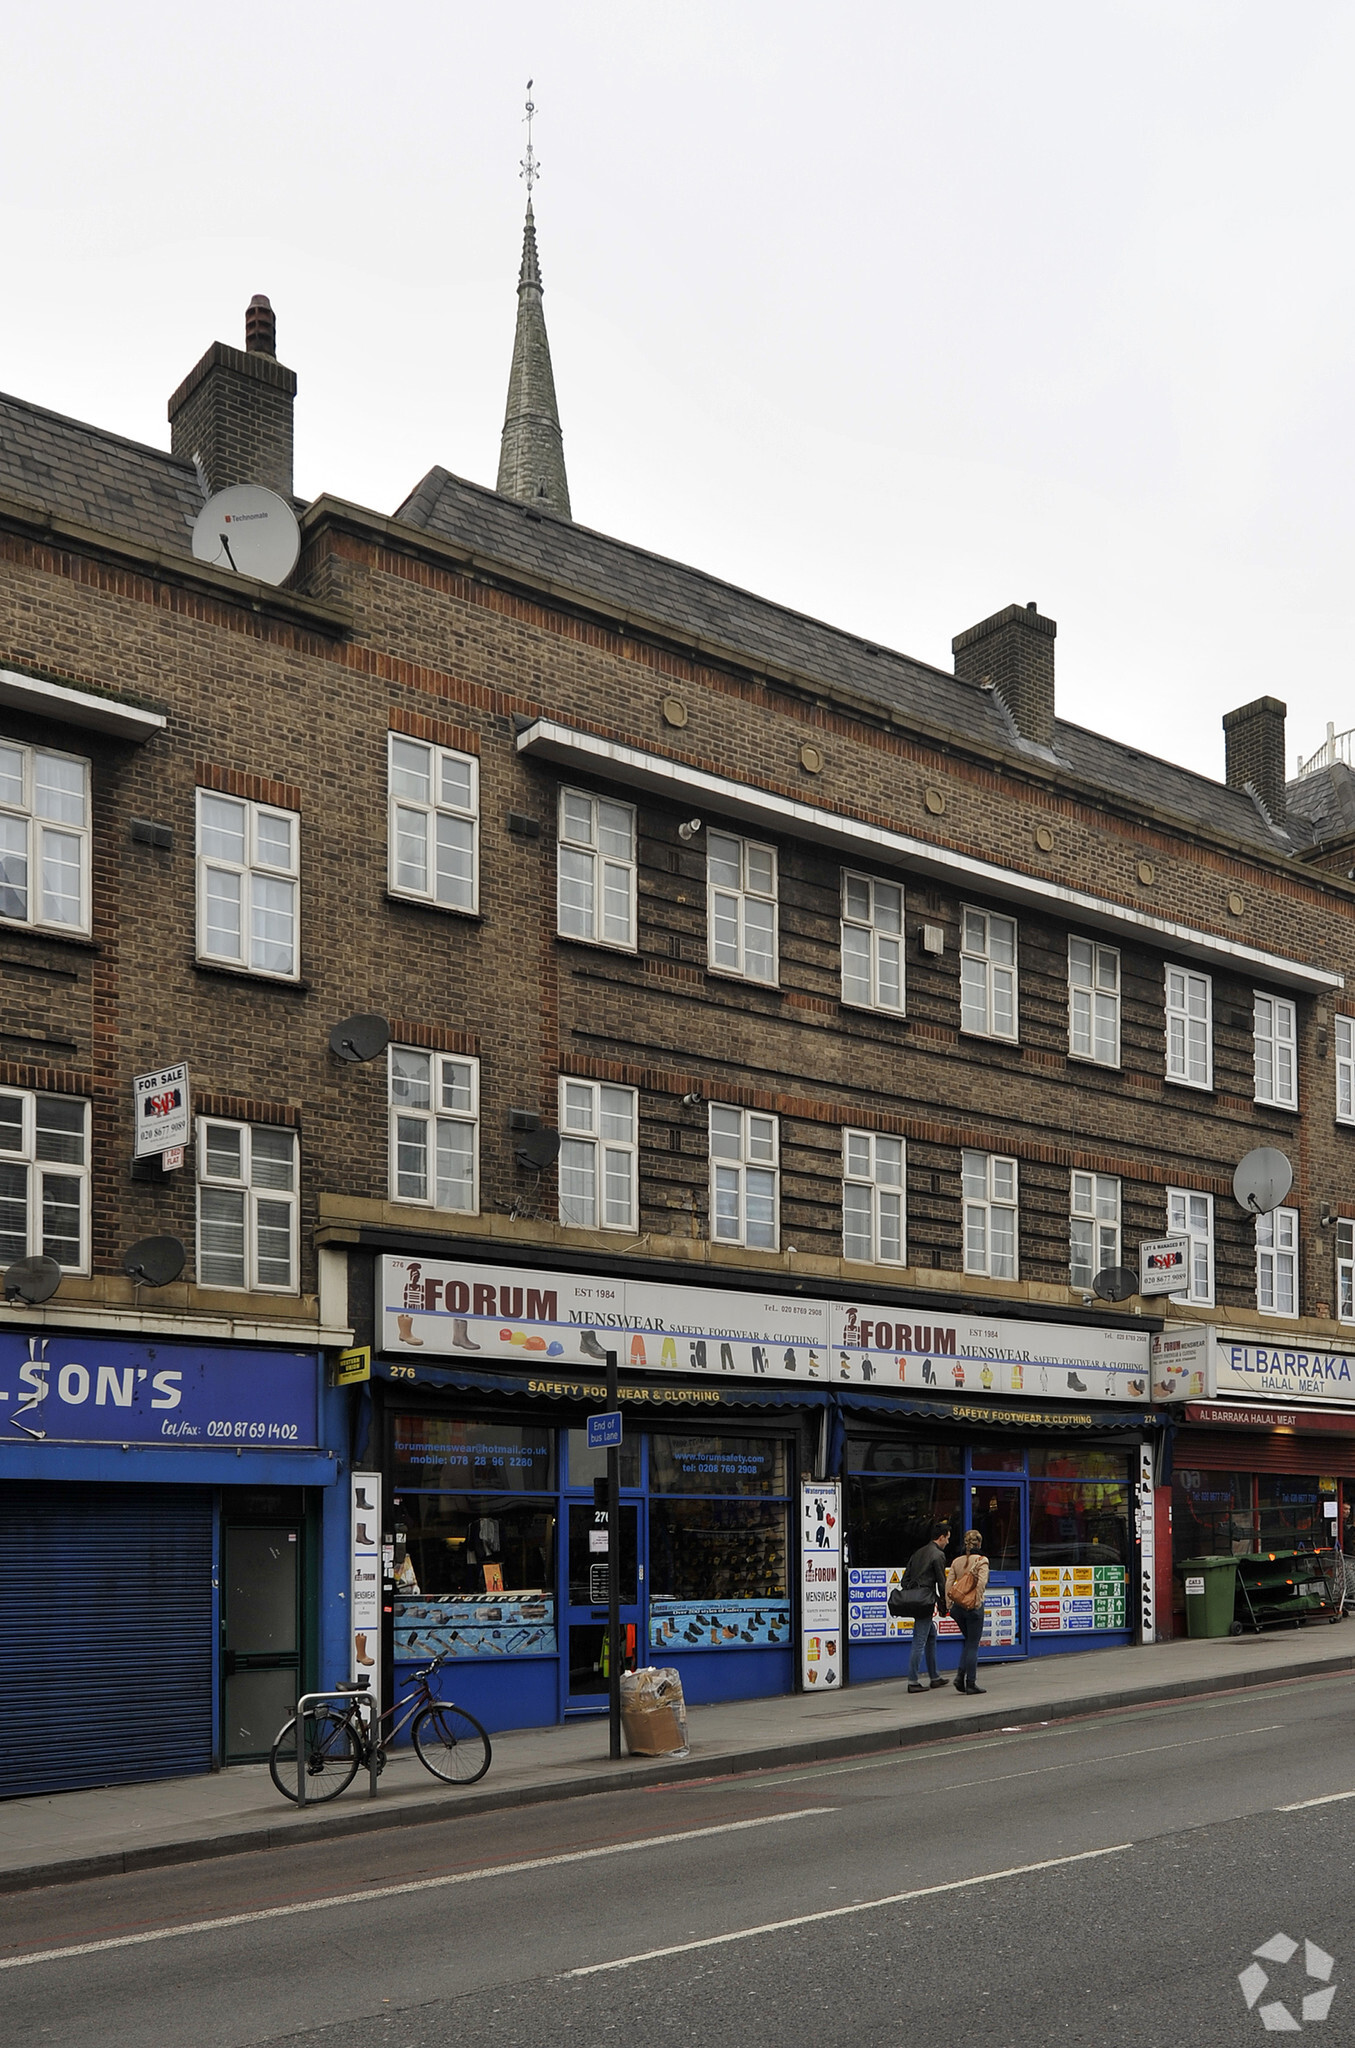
[810,1024]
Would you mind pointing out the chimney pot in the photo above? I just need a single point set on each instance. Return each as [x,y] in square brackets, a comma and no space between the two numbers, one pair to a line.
[261,327]
[1253,738]
[1013,653]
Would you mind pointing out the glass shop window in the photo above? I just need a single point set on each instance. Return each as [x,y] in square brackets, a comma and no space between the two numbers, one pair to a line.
[458,1545]
[717,1464]
[889,1515]
[886,1455]
[717,1550]
[1079,1521]
[1075,1461]
[1289,1511]
[440,1453]
[1211,1513]
[998,1458]
[585,1466]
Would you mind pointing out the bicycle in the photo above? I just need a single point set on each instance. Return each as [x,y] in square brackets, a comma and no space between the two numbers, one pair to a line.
[448,1741]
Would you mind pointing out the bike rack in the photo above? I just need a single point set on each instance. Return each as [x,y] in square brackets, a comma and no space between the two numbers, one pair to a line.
[354,1694]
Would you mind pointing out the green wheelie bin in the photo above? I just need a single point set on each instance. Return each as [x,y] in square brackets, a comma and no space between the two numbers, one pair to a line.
[1211,1585]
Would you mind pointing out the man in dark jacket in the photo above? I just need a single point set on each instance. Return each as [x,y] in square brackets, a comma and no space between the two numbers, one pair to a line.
[926,1573]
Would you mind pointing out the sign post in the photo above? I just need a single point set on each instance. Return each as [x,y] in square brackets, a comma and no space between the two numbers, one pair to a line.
[613,1441]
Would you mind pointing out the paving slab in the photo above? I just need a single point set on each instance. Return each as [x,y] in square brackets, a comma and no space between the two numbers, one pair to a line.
[96,1832]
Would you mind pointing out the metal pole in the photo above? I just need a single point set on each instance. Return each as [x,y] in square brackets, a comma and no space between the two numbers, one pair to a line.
[613,1572]
[300,1755]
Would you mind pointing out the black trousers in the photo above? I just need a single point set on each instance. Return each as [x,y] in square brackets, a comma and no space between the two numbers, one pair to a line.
[969,1621]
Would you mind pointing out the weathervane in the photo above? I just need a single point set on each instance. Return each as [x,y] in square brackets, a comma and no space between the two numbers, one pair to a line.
[531,169]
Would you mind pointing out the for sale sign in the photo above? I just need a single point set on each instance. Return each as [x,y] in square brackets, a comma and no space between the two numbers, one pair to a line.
[162,1110]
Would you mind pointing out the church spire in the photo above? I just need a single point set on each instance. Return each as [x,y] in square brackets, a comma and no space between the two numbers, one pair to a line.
[532,452]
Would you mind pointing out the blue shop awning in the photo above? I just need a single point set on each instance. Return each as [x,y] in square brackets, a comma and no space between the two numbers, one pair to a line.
[720,1392]
[695,1395]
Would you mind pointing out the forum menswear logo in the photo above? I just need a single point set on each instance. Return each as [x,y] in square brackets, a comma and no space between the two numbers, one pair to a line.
[1312,1993]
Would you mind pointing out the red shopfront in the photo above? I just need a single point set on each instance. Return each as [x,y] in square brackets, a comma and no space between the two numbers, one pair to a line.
[1248,1477]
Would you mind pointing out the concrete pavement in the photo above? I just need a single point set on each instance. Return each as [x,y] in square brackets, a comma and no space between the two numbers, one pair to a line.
[93,1833]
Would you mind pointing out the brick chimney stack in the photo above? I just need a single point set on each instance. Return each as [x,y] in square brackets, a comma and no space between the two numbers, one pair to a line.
[1013,653]
[1254,744]
[234,410]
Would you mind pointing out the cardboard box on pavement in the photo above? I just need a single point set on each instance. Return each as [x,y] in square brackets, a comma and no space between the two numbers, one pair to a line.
[653,1712]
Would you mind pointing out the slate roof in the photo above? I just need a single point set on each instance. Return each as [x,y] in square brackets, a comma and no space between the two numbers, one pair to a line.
[692,604]
[82,473]
[1322,805]
[151,497]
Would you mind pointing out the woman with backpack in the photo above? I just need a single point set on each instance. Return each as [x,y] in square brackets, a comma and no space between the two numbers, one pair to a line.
[966,1581]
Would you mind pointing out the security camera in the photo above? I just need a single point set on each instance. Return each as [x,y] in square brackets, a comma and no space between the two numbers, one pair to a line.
[689,830]
[693,1101]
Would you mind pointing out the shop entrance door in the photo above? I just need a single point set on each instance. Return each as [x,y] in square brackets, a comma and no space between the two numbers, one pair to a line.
[997,1509]
[261,1622]
[586,1645]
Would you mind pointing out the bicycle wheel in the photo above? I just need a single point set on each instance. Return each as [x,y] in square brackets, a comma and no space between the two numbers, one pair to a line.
[331,1756]
[452,1744]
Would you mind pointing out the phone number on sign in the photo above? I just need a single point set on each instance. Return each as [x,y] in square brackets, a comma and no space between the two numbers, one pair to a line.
[254,1432]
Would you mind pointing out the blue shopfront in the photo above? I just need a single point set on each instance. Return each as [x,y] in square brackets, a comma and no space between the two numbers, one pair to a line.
[173,1551]
[500,1539]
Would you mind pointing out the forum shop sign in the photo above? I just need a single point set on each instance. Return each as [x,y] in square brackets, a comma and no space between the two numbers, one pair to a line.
[562,1320]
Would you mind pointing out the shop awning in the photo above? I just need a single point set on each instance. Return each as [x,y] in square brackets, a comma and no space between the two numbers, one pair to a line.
[994,1414]
[695,1397]
[712,1394]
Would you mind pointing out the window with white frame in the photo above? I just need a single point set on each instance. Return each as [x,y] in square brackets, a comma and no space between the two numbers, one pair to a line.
[247,1206]
[1275,1034]
[1345,1071]
[872,943]
[248,867]
[1093,1226]
[1345,1269]
[987,974]
[434,1128]
[741,906]
[1189,1053]
[599,1167]
[433,834]
[1277,1263]
[595,887]
[44,837]
[44,1179]
[873,1220]
[1093,1002]
[989,1184]
[1191,1215]
[743,1177]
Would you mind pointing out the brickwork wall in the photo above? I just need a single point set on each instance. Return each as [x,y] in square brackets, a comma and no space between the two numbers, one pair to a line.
[281,714]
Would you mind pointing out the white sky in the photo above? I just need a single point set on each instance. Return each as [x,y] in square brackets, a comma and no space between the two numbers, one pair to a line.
[898,313]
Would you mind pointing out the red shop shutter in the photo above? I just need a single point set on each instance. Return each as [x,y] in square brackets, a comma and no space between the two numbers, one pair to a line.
[1263,1450]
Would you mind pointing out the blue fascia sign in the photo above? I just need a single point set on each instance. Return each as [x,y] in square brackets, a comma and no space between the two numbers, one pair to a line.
[101,1390]
[604,1431]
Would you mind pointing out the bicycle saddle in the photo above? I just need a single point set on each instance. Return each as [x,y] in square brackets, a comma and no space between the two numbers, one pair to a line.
[351,1685]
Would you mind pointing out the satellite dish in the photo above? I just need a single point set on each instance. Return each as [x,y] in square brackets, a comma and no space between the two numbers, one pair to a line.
[154,1260]
[360,1038]
[32,1280]
[1115,1283]
[1263,1179]
[250,530]
[539,1149]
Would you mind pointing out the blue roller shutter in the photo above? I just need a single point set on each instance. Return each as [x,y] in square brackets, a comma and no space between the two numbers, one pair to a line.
[106,1611]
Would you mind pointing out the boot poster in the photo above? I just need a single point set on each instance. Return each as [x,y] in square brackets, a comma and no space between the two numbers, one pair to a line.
[365,1591]
[567,1323]
[820,1585]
